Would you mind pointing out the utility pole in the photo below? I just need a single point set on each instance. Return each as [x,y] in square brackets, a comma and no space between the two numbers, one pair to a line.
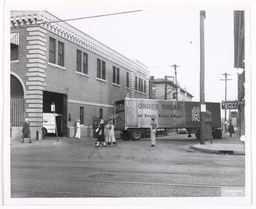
[175,72]
[202,66]
[165,87]
[225,79]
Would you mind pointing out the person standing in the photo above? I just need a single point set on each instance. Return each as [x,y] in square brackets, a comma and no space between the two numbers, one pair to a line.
[26,131]
[111,134]
[101,135]
[153,132]
[94,127]
[231,129]
[78,130]
[95,132]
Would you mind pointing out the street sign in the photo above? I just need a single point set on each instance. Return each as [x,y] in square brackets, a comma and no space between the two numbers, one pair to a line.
[53,107]
[233,114]
[229,105]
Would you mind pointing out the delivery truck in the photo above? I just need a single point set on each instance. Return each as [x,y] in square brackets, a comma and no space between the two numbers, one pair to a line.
[133,117]
[49,123]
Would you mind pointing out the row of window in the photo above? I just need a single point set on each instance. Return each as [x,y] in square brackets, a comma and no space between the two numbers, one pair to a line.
[82,63]
[56,56]
[140,85]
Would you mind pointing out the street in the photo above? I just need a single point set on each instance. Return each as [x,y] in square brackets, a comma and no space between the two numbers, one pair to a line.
[74,168]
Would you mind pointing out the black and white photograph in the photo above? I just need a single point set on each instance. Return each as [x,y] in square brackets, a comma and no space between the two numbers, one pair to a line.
[127,104]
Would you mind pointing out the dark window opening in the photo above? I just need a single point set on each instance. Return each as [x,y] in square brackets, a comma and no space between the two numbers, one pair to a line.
[60,53]
[78,61]
[14,52]
[52,51]
[81,115]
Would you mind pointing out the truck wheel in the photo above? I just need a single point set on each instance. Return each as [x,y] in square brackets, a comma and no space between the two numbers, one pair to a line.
[125,137]
[135,134]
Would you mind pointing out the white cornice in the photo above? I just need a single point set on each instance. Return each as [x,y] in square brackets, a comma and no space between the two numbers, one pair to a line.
[63,29]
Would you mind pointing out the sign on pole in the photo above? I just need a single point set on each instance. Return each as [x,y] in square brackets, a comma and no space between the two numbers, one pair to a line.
[53,110]
[229,105]
[53,107]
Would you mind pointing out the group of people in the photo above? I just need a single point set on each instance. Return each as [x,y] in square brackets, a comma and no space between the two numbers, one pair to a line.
[104,135]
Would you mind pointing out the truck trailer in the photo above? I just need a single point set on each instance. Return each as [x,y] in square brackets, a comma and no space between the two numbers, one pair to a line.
[133,117]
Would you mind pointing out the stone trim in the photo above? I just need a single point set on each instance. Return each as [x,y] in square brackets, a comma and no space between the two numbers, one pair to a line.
[36,74]
[35,19]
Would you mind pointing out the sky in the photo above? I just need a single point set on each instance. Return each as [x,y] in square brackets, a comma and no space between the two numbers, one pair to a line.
[161,36]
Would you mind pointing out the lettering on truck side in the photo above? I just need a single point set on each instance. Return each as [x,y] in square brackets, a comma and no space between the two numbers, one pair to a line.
[148,106]
[156,106]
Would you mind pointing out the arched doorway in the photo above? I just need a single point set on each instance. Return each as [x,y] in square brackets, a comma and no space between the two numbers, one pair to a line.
[17,108]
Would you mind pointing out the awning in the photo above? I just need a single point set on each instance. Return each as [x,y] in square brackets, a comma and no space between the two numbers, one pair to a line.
[15,38]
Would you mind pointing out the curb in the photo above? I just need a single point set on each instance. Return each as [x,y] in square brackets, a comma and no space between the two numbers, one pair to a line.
[221,149]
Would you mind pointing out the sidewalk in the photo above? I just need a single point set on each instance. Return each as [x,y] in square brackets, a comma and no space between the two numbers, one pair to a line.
[226,145]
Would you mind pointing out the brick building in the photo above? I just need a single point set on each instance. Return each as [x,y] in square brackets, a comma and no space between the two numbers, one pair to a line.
[53,62]
[165,89]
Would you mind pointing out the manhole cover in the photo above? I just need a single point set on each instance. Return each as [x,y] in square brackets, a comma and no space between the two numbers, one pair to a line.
[227,152]
[101,175]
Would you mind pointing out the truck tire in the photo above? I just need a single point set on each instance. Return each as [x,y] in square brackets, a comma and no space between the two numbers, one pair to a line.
[125,137]
[136,134]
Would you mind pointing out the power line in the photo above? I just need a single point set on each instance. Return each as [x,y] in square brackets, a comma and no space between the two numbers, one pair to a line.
[80,18]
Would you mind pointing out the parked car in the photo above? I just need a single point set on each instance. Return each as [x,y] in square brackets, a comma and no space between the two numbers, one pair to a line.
[160,132]
[182,131]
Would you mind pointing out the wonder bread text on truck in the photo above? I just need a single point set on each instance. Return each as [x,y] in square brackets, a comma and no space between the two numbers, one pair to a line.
[133,117]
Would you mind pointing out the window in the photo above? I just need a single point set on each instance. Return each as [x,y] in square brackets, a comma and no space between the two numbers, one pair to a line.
[103,75]
[60,53]
[98,68]
[56,55]
[101,113]
[139,84]
[85,63]
[127,80]
[101,69]
[116,78]
[52,51]
[14,52]
[78,61]
[136,83]
[145,87]
[81,115]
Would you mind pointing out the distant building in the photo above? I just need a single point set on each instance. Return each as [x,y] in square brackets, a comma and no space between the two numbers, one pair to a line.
[165,89]
[53,62]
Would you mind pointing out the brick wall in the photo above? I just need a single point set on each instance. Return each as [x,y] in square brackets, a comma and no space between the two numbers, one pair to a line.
[87,91]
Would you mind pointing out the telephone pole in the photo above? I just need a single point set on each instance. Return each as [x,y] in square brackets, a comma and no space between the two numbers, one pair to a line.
[225,79]
[175,72]
[202,66]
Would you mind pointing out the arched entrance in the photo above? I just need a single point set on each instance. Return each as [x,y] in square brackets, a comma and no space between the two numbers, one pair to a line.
[17,108]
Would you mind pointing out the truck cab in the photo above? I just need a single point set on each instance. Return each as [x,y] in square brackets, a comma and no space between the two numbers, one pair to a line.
[49,123]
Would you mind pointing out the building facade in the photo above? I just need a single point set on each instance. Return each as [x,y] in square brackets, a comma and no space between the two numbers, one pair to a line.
[55,63]
[165,89]
[239,64]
